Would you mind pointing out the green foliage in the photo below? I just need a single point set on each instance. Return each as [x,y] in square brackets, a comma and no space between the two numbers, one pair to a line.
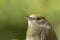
[13,24]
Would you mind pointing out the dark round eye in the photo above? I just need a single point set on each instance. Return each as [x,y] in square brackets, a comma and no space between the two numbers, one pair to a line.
[38,18]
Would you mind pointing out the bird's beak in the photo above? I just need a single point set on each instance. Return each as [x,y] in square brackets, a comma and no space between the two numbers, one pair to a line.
[27,17]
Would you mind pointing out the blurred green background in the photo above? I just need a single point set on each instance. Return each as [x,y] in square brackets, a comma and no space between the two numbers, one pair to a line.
[13,24]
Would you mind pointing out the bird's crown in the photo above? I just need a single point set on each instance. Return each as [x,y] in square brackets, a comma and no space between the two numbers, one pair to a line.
[37,16]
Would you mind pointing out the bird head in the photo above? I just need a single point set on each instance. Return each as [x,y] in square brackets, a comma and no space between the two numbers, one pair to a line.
[37,20]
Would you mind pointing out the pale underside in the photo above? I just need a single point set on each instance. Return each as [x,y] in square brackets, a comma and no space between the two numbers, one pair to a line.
[45,35]
[35,33]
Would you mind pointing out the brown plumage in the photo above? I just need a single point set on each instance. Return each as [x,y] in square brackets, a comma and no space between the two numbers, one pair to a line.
[37,15]
[39,28]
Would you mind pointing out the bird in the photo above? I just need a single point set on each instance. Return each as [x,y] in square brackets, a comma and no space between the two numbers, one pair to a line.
[39,28]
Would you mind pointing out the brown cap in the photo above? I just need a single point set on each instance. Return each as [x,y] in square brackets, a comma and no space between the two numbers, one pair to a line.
[37,16]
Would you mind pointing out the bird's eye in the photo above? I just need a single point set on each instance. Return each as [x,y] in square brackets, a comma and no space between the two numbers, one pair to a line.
[38,18]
